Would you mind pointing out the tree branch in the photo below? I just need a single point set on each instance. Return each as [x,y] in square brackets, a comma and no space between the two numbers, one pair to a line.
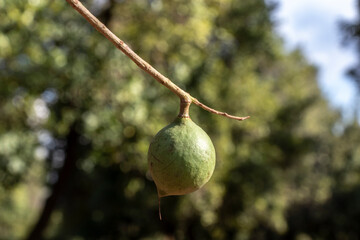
[184,96]
[209,109]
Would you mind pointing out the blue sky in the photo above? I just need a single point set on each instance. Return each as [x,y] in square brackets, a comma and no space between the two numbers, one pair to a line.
[313,25]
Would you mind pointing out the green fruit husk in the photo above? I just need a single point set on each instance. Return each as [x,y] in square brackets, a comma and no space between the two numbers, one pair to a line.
[181,158]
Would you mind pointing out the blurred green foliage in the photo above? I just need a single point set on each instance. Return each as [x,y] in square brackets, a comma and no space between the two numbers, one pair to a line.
[71,102]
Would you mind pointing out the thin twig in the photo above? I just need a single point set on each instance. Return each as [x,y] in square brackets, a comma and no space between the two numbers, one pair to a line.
[209,109]
[184,96]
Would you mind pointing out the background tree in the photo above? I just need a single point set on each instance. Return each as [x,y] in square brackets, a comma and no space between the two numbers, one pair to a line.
[351,31]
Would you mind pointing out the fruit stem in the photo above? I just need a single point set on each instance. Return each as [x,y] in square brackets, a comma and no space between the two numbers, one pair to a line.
[184,108]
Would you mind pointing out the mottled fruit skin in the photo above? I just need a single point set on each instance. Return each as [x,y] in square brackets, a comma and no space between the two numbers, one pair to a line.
[181,158]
